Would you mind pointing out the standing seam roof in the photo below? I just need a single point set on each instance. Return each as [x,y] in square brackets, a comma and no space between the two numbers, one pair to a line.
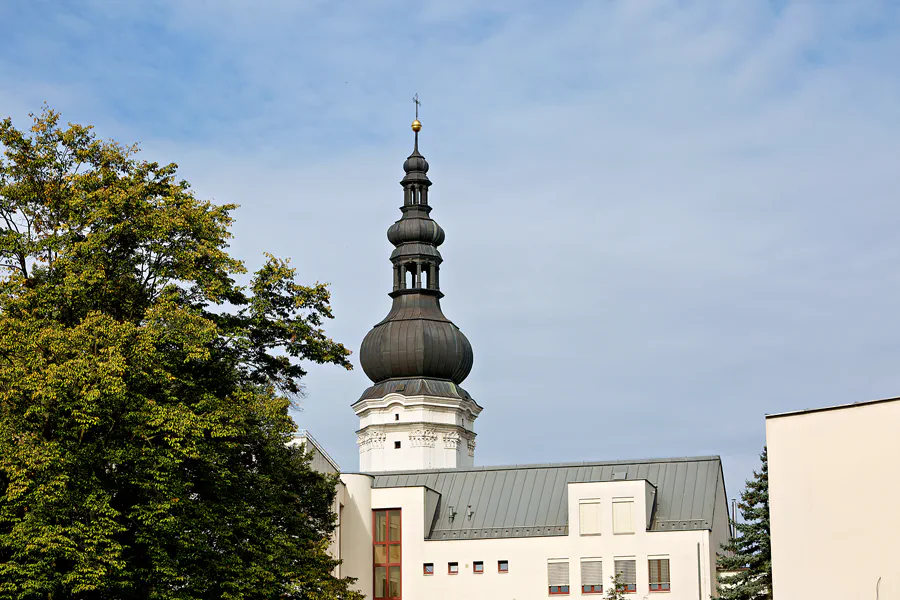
[532,500]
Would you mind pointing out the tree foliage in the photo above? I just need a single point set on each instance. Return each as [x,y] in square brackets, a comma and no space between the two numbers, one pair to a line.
[748,556]
[144,394]
[616,589]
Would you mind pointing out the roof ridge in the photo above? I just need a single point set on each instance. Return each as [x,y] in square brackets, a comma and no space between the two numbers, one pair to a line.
[601,463]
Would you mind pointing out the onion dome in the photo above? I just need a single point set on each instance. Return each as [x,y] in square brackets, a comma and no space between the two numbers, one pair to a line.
[415,341]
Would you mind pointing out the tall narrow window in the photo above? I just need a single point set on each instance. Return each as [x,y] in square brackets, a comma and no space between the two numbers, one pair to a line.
[589,517]
[558,576]
[387,554]
[626,569]
[659,575]
[623,515]
[591,576]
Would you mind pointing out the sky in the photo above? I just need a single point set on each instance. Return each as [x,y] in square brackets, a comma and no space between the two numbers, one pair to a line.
[664,219]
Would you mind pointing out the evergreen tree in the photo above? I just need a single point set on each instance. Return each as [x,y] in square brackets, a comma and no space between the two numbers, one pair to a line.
[144,395]
[749,554]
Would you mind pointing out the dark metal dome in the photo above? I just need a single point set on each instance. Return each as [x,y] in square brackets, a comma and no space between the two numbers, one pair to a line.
[415,340]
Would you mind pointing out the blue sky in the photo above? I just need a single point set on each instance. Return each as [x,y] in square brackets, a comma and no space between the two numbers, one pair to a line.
[664,219]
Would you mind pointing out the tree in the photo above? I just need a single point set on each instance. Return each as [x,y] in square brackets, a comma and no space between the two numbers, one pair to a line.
[616,589]
[144,394]
[748,556]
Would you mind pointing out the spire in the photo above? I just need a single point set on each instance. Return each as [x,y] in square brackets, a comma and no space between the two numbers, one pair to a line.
[416,340]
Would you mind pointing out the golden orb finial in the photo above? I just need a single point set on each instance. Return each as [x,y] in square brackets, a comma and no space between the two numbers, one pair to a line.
[417,126]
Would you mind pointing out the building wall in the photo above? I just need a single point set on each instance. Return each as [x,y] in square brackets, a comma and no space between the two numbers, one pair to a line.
[834,482]
[433,433]
[527,576]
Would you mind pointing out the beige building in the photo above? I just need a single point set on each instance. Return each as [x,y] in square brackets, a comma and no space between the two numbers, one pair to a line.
[834,487]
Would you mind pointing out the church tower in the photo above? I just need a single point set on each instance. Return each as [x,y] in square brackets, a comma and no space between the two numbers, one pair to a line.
[416,416]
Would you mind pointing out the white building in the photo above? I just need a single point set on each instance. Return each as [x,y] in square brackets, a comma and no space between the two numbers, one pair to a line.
[834,481]
[421,521]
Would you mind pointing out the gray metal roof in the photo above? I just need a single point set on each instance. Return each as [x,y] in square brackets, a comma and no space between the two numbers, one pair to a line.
[531,500]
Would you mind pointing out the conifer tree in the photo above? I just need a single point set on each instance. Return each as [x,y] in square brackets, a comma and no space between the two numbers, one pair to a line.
[144,394]
[748,556]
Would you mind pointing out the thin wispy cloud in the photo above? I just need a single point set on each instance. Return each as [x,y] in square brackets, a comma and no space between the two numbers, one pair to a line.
[664,219]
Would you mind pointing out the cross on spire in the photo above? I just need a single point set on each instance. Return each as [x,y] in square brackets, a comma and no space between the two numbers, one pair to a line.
[418,104]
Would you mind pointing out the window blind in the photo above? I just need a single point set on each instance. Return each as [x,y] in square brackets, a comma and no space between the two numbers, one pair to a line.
[627,570]
[558,573]
[623,517]
[591,572]
[589,517]
[659,570]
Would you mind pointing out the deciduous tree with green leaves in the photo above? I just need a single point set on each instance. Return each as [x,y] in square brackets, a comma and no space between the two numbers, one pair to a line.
[747,557]
[144,394]
[616,589]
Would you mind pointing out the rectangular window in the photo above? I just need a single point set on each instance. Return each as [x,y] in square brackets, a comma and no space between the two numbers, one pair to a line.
[623,515]
[387,553]
[428,568]
[589,517]
[659,575]
[558,576]
[503,566]
[591,576]
[626,569]
[478,566]
[453,568]
[396,445]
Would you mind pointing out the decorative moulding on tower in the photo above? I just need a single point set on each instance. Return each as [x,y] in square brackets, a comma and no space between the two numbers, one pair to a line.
[370,440]
[451,440]
[423,437]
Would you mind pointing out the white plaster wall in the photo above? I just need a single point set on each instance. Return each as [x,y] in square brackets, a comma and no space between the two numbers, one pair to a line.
[527,577]
[447,423]
[834,484]
[356,531]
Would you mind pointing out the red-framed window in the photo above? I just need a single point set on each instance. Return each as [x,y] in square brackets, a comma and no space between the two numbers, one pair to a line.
[558,577]
[478,566]
[428,568]
[626,569]
[453,568]
[387,551]
[659,575]
[503,566]
[591,576]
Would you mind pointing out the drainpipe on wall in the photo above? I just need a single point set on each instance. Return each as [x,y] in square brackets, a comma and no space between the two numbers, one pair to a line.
[699,575]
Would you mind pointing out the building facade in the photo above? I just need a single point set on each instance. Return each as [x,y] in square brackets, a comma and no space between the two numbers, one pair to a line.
[420,520]
[834,481]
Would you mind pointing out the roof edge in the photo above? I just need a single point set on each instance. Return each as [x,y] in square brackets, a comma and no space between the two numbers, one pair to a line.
[828,408]
[711,458]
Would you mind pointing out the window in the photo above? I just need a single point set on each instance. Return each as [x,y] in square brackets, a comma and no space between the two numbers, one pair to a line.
[589,517]
[503,566]
[396,417]
[558,576]
[626,569]
[396,445]
[387,554]
[659,575]
[478,566]
[591,576]
[453,568]
[623,515]
[428,568]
